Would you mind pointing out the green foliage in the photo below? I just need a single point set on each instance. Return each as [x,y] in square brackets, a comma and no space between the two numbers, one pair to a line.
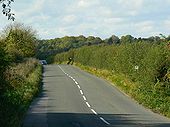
[6,9]
[19,76]
[127,39]
[4,62]
[24,83]
[113,40]
[145,64]
[59,45]
[19,41]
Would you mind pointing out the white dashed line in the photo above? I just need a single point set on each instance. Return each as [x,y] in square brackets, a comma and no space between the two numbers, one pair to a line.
[81,92]
[94,111]
[104,121]
[88,104]
[84,98]
[78,86]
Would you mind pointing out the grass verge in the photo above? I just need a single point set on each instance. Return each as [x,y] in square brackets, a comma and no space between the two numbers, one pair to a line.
[142,94]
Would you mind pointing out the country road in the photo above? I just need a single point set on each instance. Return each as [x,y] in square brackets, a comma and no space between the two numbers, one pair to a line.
[74,98]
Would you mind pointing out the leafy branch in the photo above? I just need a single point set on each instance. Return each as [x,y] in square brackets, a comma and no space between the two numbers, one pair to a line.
[6,9]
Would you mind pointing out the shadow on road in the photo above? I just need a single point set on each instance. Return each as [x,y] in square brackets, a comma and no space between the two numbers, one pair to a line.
[41,114]
[88,120]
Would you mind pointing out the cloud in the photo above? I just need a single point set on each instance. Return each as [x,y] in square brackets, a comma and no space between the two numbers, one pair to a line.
[166,23]
[56,18]
[69,19]
[131,4]
[131,7]
[144,27]
[86,3]
[32,9]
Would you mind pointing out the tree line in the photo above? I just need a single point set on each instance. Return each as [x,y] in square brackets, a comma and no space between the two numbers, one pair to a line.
[50,47]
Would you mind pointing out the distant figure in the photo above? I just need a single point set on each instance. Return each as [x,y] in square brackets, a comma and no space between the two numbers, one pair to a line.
[70,60]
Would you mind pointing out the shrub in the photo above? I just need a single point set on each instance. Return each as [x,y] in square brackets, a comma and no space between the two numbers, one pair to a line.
[4,62]
[19,41]
[23,84]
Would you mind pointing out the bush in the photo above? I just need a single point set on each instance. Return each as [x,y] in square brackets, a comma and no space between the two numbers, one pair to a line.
[4,62]
[23,84]
[19,41]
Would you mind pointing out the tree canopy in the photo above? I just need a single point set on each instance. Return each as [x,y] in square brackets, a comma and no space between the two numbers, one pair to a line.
[19,41]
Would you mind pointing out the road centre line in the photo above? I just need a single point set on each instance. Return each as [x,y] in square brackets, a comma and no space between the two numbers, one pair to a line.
[94,111]
[104,121]
[88,104]
[81,92]
[101,118]
[84,98]
[78,86]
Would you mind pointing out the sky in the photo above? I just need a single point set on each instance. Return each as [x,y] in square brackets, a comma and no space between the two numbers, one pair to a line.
[102,18]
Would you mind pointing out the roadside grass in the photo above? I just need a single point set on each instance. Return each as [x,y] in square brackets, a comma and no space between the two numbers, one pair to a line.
[23,85]
[141,70]
[148,98]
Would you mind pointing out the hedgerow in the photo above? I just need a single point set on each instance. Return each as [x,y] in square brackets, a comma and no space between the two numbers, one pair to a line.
[23,85]
[147,65]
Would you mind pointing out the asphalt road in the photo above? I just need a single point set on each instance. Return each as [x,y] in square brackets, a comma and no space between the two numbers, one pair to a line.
[74,98]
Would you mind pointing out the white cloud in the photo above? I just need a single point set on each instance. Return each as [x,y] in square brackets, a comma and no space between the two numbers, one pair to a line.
[33,8]
[131,7]
[56,18]
[69,19]
[86,3]
[144,26]
[131,4]
[114,20]
[167,23]
[38,19]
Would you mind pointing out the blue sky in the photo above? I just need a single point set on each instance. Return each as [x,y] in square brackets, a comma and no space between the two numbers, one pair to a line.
[103,18]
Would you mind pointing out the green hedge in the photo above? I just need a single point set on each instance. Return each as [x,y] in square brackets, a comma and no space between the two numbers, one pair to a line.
[151,78]
[23,84]
[152,59]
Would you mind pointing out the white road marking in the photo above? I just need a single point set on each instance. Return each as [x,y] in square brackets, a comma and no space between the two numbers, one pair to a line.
[94,111]
[84,98]
[104,121]
[81,92]
[83,95]
[78,86]
[88,104]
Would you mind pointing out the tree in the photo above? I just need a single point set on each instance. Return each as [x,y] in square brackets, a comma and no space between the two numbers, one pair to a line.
[113,40]
[81,40]
[19,41]
[6,9]
[127,39]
